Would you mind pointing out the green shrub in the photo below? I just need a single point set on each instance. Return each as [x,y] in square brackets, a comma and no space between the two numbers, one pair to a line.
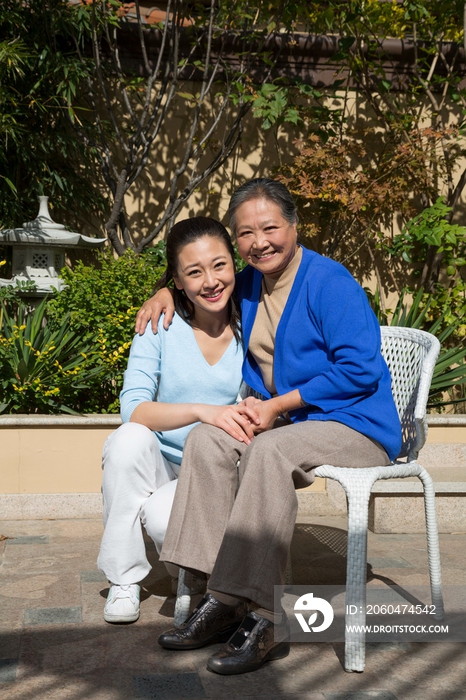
[101,302]
[43,370]
[430,241]
[449,378]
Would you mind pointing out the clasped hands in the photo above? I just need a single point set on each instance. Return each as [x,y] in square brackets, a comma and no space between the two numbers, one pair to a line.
[243,420]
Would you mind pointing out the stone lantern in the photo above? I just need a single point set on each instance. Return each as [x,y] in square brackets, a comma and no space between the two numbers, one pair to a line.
[39,251]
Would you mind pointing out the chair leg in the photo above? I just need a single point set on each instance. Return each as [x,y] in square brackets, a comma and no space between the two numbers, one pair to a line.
[183,600]
[289,571]
[433,549]
[358,493]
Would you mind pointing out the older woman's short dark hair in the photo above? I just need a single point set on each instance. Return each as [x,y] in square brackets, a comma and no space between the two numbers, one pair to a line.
[263,188]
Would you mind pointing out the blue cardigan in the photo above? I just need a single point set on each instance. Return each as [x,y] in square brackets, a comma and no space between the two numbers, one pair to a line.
[327,345]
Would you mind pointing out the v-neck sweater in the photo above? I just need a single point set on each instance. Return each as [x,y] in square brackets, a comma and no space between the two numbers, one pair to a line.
[169,367]
[327,345]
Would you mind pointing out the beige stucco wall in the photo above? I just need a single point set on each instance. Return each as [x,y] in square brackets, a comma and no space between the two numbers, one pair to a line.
[50,454]
[45,460]
[58,455]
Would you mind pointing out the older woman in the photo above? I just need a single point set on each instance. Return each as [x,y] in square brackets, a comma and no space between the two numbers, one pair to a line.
[313,354]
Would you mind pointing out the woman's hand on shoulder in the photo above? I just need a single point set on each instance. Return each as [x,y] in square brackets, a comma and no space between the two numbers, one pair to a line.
[151,310]
[239,421]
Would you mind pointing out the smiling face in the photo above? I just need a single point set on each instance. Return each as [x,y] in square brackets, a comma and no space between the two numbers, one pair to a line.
[265,239]
[206,273]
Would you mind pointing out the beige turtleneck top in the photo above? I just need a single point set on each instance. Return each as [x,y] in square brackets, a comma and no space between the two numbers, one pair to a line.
[274,295]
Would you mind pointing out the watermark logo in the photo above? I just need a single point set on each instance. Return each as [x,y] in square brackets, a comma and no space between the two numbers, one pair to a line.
[307,603]
[388,614]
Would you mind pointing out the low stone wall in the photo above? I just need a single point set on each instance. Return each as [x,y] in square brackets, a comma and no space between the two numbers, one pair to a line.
[51,465]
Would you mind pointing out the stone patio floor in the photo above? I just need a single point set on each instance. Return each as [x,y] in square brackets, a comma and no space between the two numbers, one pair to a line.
[55,645]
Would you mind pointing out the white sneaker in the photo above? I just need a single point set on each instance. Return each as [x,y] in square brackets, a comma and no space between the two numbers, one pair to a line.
[195,584]
[122,603]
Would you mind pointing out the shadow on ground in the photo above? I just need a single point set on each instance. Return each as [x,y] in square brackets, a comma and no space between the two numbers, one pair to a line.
[58,659]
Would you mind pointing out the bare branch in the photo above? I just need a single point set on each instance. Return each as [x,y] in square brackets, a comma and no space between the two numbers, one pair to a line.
[102,83]
[141,39]
[129,122]
[117,201]
[121,79]
[457,192]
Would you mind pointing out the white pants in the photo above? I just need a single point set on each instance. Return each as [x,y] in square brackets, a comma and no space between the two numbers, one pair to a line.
[138,486]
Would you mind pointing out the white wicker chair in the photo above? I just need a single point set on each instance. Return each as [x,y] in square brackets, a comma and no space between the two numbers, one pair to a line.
[411,355]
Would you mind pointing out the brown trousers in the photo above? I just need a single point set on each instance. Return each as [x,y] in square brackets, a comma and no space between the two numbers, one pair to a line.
[243,541]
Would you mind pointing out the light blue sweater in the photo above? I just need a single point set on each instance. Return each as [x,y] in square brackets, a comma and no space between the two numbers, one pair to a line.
[169,367]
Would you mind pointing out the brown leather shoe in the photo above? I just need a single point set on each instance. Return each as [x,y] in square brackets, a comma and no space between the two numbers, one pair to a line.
[210,622]
[256,641]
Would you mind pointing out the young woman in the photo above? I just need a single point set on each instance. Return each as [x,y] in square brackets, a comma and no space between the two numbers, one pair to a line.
[173,381]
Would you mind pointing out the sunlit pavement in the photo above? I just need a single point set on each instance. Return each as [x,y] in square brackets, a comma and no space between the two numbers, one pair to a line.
[55,645]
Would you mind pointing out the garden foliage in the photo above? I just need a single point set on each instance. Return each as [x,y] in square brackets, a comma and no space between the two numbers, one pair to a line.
[70,353]
[379,179]
[43,370]
[39,154]
[449,379]
[199,70]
